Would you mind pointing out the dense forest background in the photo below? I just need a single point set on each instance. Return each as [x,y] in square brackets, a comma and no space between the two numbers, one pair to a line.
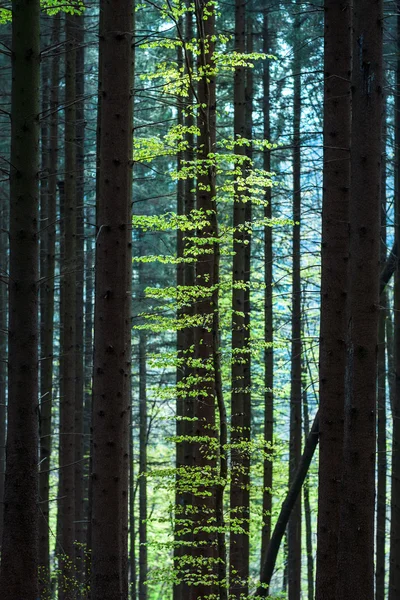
[199,223]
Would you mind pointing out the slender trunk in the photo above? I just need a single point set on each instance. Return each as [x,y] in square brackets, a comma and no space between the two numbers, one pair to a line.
[294,527]
[132,518]
[240,404]
[394,570]
[112,352]
[307,505]
[356,537]
[380,569]
[335,254]
[268,314]
[268,565]
[79,318]
[142,466]
[68,324]
[19,559]
[3,350]
[205,539]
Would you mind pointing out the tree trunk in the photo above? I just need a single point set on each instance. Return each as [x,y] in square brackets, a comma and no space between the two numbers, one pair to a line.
[143,432]
[268,314]
[112,352]
[205,540]
[394,568]
[3,349]
[68,324]
[307,506]
[79,320]
[240,401]
[335,255]
[356,537]
[294,527]
[380,569]
[19,560]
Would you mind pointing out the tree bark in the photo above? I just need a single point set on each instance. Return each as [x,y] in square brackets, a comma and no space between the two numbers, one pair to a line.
[240,401]
[335,256]
[112,352]
[356,536]
[19,560]
[205,545]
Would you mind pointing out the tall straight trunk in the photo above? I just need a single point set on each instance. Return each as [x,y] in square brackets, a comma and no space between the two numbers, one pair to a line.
[79,317]
[142,467]
[294,526]
[47,310]
[307,504]
[88,366]
[380,568]
[3,351]
[132,516]
[335,255]
[204,433]
[240,404]
[394,569]
[46,291]
[268,314]
[19,558]
[356,537]
[68,324]
[112,349]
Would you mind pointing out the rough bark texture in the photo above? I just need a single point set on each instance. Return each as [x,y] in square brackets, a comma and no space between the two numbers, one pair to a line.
[294,527]
[335,256]
[307,504]
[268,315]
[19,564]
[3,349]
[112,353]
[356,538]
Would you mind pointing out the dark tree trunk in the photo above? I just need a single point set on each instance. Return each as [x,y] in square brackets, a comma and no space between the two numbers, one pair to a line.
[205,540]
[79,319]
[19,560]
[294,527]
[335,255]
[112,352]
[356,538]
[3,349]
[268,331]
[240,401]
[143,432]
